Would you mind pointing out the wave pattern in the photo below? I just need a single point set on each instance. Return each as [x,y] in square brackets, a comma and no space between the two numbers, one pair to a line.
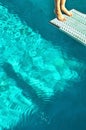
[32,70]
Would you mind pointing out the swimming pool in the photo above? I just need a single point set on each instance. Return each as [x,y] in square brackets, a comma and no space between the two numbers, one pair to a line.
[42,71]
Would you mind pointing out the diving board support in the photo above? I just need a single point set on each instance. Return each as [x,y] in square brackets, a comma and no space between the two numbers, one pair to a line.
[74,26]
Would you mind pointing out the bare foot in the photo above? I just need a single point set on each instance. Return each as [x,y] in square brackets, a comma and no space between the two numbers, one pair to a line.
[64,10]
[60,16]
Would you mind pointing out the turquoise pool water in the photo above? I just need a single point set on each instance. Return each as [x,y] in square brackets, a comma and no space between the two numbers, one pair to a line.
[42,71]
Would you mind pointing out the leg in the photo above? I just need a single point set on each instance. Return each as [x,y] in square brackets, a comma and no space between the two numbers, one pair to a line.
[63,8]
[58,10]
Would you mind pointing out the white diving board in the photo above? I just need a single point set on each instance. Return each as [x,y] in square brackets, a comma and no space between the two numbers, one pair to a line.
[74,26]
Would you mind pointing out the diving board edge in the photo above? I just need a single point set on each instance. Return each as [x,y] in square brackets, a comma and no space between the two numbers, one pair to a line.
[69,34]
[63,26]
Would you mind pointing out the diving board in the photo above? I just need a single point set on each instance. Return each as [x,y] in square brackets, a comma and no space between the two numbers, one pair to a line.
[74,26]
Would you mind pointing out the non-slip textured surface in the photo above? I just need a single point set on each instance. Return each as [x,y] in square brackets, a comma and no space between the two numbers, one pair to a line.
[42,83]
[75,26]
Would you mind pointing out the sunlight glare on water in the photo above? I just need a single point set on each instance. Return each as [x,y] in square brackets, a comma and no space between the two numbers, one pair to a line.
[34,70]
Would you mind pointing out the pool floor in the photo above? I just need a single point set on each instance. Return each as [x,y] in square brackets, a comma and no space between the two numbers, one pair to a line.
[38,82]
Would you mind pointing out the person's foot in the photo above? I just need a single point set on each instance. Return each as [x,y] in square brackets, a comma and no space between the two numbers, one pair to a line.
[59,16]
[64,10]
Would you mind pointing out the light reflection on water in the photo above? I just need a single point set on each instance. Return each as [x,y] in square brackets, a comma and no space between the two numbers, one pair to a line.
[45,66]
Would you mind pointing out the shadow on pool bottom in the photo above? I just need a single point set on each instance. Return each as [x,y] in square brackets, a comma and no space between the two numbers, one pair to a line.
[68,112]
[60,122]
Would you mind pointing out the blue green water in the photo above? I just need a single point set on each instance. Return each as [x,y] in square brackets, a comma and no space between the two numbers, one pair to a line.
[42,71]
